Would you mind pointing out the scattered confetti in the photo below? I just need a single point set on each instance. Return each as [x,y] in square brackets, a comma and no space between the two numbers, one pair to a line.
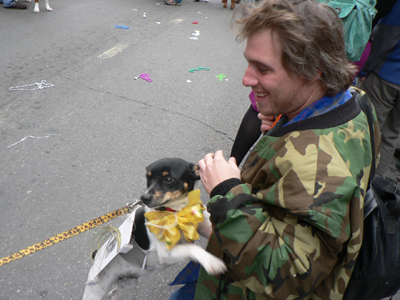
[188,81]
[158,23]
[193,38]
[121,26]
[196,33]
[195,22]
[144,15]
[144,76]
[198,69]
[220,76]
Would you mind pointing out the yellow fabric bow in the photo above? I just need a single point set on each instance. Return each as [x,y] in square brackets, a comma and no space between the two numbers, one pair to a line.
[167,225]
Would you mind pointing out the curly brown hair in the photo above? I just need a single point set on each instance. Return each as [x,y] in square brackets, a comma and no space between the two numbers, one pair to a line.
[311,36]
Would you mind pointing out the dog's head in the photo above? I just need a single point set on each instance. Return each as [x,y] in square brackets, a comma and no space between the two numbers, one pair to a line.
[168,182]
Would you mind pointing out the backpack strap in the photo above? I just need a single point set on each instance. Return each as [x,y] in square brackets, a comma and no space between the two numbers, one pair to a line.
[365,106]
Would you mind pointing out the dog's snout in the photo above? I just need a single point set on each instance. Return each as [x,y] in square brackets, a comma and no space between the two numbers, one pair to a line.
[146,198]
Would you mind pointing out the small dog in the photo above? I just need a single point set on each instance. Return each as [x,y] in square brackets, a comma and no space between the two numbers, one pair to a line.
[36,9]
[225,2]
[169,180]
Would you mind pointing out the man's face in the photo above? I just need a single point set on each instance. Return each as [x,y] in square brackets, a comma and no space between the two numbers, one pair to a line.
[276,91]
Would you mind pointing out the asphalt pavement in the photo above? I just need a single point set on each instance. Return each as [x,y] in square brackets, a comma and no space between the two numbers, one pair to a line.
[76,146]
[78,130]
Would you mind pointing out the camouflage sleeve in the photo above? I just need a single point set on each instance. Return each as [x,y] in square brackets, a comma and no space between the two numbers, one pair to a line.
[287,238]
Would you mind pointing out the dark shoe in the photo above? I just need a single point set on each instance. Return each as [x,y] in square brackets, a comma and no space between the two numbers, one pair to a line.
[18,5]
[397,152]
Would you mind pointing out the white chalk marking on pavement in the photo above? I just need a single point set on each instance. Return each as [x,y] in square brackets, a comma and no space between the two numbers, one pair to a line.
[29,136]
[113,51]
[176,21]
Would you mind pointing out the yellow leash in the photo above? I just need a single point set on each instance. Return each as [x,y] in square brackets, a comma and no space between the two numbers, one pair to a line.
[69,233]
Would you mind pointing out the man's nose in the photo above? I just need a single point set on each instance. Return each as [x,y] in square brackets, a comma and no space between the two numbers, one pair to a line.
[249,78]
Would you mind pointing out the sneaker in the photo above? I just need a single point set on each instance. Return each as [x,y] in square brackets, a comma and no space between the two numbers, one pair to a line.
[18,5]
[171,2]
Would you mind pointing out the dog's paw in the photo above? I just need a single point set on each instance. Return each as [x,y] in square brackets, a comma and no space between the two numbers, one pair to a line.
[213,265]
[48,8]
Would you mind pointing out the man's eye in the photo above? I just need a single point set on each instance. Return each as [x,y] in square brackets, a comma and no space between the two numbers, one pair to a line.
[263,70]
[168,179]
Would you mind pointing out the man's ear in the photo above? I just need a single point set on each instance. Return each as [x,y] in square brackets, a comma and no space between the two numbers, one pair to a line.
[317,77]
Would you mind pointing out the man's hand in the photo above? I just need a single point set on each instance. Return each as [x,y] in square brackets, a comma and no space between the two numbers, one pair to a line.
[266,122]
[362,79]
[214,169]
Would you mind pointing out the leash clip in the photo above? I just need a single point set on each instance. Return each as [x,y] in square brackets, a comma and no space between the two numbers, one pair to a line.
[131,206]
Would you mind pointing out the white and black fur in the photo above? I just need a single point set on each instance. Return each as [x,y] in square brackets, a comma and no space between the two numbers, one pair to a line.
[168,182]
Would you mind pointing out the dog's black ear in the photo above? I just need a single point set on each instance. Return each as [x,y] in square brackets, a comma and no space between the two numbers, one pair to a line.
[195,171]
[148,173]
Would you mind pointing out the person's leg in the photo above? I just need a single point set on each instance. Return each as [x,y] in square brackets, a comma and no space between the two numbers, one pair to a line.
[390,130]
[7,3]
[386,99]
[13,4]
[186,292]
[188,276]
[377,94]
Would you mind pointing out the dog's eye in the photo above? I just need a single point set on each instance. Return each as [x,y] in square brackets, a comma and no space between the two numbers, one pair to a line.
[168,179]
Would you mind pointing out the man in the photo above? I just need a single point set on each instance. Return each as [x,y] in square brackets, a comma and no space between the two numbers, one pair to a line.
[380,79]
[289,225]
[13,4]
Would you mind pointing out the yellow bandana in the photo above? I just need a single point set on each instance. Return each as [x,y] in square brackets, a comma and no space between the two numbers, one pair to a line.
[166,225]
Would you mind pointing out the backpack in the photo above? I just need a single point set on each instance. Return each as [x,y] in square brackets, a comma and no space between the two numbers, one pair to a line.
[357,16]
[376,273]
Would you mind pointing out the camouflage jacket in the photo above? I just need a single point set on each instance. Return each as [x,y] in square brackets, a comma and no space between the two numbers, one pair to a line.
[292,228]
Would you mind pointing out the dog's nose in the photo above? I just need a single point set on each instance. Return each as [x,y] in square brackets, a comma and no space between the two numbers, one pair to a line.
[146,198]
